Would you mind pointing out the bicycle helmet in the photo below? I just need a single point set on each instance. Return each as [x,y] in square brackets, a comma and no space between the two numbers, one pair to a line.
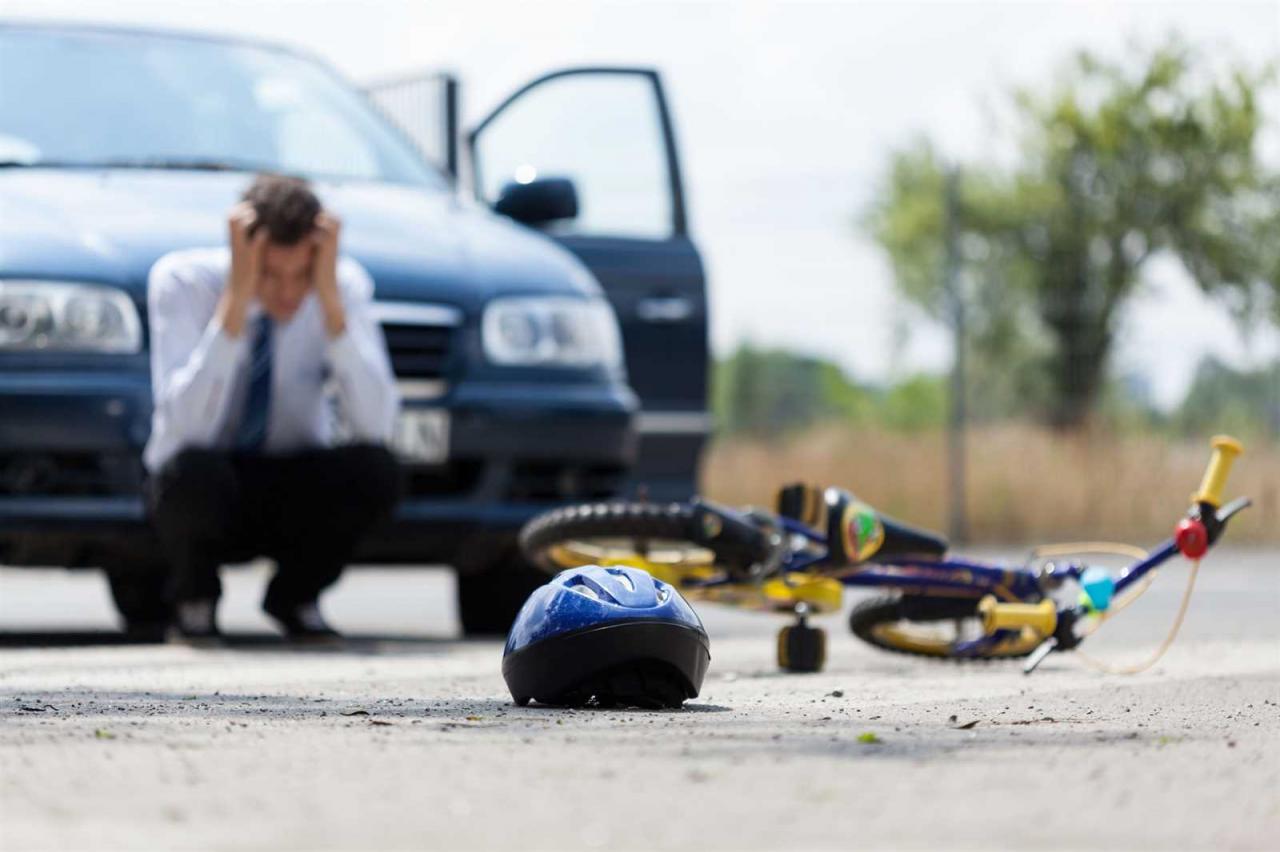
[612,636]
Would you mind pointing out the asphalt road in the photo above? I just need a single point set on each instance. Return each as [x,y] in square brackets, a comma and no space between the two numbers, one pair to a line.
[408,740]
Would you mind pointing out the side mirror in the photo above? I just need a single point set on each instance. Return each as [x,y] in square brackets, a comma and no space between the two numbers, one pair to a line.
[539,201]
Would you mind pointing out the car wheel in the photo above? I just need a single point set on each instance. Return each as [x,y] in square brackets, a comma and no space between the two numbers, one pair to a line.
[489,598]
[138,590]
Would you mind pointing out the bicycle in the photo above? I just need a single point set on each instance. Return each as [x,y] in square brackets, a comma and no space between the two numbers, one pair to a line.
[799,558]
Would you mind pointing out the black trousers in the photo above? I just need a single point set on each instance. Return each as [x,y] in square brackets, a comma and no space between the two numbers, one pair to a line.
[306,510]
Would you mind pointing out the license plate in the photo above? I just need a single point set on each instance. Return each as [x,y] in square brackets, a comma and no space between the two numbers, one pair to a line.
[422,435]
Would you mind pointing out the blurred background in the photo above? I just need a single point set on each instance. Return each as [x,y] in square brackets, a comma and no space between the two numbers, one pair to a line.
[1075,203]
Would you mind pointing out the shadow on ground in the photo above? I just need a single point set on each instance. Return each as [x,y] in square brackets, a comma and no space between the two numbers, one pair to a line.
[82,704]
[130,704]
[353,643]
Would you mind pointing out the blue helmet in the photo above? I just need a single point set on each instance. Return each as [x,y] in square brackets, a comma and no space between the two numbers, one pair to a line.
[613,635]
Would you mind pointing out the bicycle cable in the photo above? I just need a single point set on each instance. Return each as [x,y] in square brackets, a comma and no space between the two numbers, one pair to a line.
[1137,668]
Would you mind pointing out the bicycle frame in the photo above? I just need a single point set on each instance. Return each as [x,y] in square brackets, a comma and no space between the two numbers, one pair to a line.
[801,569]
[952,576]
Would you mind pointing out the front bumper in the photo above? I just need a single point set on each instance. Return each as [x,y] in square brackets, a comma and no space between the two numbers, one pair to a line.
[71,475]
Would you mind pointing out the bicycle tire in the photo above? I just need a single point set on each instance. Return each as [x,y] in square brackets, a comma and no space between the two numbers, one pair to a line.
[734,546]
[869,618]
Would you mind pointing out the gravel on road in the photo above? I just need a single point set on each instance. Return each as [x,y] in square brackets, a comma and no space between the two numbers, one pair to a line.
[409,740]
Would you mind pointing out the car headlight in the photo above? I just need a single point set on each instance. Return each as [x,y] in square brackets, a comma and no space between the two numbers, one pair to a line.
[551,332]
[66,317]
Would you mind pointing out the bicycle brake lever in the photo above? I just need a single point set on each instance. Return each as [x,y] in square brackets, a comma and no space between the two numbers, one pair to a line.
[1037,656]
[1226,512]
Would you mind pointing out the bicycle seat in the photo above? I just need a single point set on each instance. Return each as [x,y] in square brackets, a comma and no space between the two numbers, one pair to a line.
[905,540]
[856,532]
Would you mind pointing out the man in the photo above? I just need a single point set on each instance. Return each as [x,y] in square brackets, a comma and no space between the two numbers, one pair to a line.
[250,346]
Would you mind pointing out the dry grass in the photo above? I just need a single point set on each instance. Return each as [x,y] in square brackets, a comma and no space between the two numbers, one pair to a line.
[1025,484]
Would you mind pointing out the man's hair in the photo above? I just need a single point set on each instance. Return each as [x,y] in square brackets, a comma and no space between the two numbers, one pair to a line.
[284,205]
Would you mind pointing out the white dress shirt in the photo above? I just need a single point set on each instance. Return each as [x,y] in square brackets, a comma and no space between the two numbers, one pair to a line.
[199,374]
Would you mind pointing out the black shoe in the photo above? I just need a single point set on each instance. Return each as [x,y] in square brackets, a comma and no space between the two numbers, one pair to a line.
[195,624]
[303,623]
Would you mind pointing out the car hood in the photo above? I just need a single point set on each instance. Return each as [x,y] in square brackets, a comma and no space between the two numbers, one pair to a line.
[111,225]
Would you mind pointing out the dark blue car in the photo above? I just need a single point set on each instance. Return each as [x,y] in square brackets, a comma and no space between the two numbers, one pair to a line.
[502,314]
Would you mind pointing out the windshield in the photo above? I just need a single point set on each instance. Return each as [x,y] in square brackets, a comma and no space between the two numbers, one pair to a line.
[137,99]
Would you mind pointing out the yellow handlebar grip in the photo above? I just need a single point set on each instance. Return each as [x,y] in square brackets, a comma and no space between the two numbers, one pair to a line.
[1225,450]
[1041,617]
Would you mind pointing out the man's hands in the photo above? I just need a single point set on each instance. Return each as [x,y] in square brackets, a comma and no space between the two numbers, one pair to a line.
[325,273]
[245,281]
[246,268]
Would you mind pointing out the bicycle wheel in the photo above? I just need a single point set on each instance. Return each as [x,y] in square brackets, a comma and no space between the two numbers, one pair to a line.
[930,627]
[681,537]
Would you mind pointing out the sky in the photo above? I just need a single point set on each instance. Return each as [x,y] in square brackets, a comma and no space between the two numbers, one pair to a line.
[787,113]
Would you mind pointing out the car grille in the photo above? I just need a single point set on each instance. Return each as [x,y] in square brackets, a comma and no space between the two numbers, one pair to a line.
[455,479]
[66,474]
[417,351]
[420,338]
[539,481]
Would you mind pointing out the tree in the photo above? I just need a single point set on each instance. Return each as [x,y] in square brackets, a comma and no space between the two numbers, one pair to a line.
[1115,166]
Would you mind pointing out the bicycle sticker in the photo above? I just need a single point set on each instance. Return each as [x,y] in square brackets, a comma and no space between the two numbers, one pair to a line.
[863,532]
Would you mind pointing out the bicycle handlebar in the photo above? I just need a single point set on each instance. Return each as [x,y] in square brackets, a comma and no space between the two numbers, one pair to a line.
[1041,617]
[1194,536]
[1225,450]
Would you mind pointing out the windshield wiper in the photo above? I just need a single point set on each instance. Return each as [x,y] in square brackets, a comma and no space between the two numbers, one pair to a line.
[162,163]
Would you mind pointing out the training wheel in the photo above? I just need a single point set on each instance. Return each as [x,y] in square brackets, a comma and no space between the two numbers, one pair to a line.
[802,648]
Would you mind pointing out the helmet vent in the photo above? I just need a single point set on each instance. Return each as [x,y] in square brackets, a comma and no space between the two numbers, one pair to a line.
[618,586]
[623,578]
[586,591]
[590,588]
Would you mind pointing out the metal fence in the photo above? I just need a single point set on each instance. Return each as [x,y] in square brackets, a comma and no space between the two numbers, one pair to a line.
[424,106]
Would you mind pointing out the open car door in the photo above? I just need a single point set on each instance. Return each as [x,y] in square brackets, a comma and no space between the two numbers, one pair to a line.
[588,156]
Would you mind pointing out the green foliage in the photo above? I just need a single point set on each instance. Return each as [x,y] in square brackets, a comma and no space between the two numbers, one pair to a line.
[770,392]
[916,404]
[1124,407]
[1242,403]
[1117,164]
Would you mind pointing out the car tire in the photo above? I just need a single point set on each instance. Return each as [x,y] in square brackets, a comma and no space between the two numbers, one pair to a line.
[489,598]
[138,591]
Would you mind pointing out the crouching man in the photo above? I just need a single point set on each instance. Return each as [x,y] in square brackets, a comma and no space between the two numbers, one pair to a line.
[244,458]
